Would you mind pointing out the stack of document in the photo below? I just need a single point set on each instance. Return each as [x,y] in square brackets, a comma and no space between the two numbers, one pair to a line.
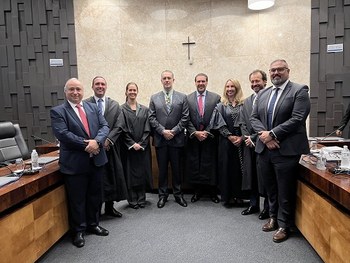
[332,153]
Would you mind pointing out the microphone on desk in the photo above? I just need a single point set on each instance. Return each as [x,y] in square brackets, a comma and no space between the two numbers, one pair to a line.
[320,140]
[4,164]
[41,139]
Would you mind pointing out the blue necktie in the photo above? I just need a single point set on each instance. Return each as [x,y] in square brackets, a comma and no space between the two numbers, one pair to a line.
[100,105]
[270,109]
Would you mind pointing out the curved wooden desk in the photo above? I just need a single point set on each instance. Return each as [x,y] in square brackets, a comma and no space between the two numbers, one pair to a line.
[33,214]
[323,212]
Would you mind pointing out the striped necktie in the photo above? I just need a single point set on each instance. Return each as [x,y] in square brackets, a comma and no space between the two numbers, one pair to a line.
[167,101]
[100,105]
[200,105]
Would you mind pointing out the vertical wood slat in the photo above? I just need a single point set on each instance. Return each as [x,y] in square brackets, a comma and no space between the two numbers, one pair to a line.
[3,56]
[28,18]
[35,15]
[323,11]
[41,12]
[63,24]
[315,31]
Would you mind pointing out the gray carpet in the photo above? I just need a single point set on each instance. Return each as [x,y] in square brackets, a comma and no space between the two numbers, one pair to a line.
[202,232]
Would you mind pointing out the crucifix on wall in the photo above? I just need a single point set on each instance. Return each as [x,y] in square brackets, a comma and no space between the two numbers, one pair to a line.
[188,43]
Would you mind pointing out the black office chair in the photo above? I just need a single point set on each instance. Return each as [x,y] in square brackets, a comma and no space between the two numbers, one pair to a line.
[12,143]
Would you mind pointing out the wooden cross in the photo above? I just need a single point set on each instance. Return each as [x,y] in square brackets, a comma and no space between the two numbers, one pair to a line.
[188,43]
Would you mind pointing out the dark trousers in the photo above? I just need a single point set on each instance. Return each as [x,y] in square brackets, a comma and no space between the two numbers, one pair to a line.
[137,195]
[279,175]
[255,201]
[205,189]
[84,192]
[166,154]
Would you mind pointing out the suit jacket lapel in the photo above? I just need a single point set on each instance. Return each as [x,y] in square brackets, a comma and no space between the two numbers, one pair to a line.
[266,104]
[72,113]
[172,101]
[194,101]
[107,105]
[162,100]
[88,114]
[281,99]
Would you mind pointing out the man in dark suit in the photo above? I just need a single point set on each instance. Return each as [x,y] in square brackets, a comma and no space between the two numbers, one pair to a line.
[258,80]
[278,117]
[114,185]
[201,150]
[168,116]
[82,131]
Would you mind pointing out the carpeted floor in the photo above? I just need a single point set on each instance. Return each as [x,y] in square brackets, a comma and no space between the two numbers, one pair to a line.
[202,232]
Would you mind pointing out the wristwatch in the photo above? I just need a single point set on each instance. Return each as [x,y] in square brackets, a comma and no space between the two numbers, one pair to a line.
[272,135]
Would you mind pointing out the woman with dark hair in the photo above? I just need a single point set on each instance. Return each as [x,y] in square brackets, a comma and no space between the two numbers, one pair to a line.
[227,118]
[137,154]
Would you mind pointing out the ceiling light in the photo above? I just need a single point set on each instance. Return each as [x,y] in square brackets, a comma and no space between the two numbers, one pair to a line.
[260,4]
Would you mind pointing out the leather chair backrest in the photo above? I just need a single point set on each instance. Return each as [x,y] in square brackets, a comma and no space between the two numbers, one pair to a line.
[12,143]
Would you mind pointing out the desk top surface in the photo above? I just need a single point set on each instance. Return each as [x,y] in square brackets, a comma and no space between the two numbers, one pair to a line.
[335,186]
[29,185]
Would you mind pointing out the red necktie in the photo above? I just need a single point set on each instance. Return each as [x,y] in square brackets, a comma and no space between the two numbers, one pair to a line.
[200,105]
[83,119]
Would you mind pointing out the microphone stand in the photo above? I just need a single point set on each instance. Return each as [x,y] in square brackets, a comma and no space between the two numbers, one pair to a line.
[41,139]
[320,140]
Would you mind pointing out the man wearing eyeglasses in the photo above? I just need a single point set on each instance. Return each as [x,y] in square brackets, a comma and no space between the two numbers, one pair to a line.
[279,118]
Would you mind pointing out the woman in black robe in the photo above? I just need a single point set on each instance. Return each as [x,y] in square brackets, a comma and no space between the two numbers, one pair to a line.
[227,118]
[133,121]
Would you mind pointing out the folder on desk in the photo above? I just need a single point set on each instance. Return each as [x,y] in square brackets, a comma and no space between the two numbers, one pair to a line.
[47,159]
[7,179]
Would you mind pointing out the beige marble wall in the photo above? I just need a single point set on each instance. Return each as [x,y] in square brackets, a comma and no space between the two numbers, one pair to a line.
[134,40]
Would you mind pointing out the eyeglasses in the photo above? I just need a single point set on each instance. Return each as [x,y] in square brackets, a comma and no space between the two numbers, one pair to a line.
[279,70]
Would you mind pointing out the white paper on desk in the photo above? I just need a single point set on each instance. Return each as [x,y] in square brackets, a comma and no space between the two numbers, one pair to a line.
[7,179]
[325,139]
[330,149]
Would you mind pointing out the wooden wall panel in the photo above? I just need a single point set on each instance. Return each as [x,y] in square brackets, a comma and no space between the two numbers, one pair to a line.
[330,72]
[32,32]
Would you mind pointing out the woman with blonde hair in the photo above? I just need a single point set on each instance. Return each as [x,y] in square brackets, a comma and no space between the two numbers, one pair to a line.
[227,118]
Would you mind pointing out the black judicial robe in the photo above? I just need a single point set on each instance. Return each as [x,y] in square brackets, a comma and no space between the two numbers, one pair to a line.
[201,156]
[136,129]
[228,120]
[114,185]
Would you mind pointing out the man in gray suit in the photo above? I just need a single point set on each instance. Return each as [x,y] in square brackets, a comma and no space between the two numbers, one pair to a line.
[114,185]
[168,116]
[258,80]
[278,117]
[201,150]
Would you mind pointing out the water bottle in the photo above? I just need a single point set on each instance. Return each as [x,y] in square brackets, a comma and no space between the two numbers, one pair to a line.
[35,160]
[321,161]
[345,158]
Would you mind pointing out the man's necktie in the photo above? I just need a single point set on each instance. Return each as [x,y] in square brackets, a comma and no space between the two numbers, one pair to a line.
[100,105]
[254,100]
[167,102]
[270,109]
[83,119]
[200,105]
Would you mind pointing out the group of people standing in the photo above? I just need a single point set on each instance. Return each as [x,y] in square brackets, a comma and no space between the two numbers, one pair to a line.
[219,144]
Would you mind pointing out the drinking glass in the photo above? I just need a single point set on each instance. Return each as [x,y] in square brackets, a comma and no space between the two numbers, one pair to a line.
[19,166]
